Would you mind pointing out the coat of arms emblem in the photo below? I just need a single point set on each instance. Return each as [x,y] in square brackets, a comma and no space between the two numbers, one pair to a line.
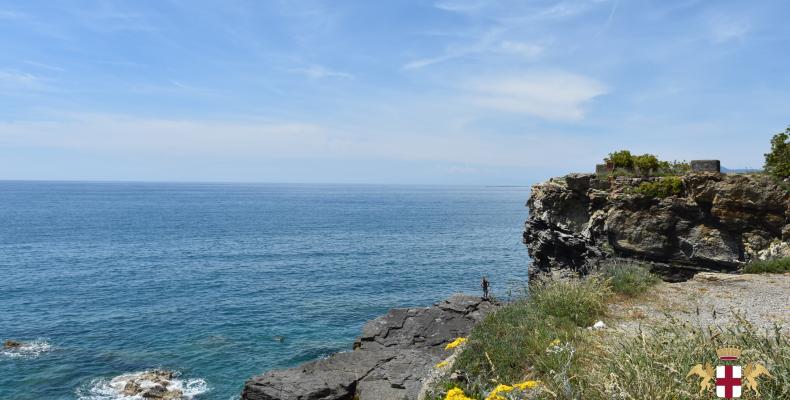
[728,379]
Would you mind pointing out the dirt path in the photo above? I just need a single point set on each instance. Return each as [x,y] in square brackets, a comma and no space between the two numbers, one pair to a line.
[710,299]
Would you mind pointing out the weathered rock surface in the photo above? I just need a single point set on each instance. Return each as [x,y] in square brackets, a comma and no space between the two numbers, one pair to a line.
[151,385]
[718,222]
[389,361]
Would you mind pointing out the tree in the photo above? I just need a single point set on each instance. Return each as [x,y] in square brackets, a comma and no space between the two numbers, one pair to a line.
[621,159]
[646,163]
[777,162]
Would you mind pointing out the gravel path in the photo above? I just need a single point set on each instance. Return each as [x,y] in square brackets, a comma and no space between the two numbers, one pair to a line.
[710,299]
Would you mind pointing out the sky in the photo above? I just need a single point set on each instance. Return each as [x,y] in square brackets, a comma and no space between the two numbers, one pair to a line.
[400,91]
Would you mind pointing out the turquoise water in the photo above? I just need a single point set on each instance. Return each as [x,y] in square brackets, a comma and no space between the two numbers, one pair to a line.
[105,279]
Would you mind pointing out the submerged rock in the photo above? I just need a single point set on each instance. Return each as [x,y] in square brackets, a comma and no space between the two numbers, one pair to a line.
[389,361]
[12,344]
[718,222]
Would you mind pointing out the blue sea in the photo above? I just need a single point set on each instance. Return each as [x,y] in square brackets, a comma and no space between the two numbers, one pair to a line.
[107,279]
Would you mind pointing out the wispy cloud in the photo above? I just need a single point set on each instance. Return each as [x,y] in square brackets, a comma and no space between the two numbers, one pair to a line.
[493,41]
[9,14]
[552,95]
[728,28]
[319,71]
[15,80]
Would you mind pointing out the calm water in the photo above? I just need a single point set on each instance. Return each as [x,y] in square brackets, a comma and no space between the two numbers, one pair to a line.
[114,278]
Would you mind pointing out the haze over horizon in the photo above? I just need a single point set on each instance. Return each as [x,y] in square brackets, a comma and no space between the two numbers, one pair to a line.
[437,92]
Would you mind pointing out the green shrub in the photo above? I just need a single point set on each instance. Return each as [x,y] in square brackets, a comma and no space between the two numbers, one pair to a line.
[664,187]
[777,266]
[777,162]
[580,301]
[673,168]
[629,279]
[646,163]
[621,159]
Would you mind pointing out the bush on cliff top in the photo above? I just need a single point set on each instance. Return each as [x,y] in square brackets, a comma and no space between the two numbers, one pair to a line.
[624,163]
[664,187]
[621,159]
[777,162]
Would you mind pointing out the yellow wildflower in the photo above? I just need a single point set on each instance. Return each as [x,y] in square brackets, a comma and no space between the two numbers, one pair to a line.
[442,364]
[494,395]
[455,343]
[527,385]
[555,342]
[456,394]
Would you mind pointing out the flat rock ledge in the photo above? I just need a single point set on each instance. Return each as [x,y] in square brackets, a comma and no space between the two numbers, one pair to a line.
[390,360]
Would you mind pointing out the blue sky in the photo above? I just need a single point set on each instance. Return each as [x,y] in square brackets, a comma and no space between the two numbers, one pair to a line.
[445,91]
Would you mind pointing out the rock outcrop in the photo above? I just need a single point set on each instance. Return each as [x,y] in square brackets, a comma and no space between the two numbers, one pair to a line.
[391,357]
[717,223]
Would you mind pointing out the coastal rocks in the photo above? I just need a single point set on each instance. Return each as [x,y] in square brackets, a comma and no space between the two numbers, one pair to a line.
[146,385]
[718,222]
[152,385]
[390,359]
[12,344]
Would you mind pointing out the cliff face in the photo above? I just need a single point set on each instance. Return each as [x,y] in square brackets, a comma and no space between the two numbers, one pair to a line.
[718,222]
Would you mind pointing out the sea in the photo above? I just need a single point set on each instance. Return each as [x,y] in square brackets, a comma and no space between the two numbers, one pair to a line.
[219,282]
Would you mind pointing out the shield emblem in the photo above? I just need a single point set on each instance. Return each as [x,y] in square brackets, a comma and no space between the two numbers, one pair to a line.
[728,381]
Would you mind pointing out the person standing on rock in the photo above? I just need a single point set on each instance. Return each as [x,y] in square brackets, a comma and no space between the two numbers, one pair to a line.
[484,285]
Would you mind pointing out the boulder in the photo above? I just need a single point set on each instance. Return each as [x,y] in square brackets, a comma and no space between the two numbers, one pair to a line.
[12,344]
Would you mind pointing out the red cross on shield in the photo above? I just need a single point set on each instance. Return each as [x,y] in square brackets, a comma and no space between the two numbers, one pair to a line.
[728,381]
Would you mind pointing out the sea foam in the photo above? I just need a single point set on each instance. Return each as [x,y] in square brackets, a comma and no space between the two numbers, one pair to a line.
[28,350]
[112,389]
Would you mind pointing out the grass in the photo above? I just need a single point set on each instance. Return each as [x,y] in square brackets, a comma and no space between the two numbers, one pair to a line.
[777,266]
[543,338]
[629,279]
[655,365]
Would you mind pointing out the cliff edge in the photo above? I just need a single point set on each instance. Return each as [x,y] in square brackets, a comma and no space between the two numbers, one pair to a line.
[714,222]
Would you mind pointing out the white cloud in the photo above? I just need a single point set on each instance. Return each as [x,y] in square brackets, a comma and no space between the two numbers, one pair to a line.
[552,95]
[725,29]
[487,43]
[319,72]
[529,50]
[15,80]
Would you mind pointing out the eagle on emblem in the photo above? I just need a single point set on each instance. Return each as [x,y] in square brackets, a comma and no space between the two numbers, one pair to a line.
[706,373]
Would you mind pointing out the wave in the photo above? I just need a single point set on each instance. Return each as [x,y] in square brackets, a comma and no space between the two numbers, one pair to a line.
[28,350]
[113,389]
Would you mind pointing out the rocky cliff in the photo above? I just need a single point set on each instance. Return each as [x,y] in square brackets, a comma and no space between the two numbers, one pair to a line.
[717,222]
[391,357]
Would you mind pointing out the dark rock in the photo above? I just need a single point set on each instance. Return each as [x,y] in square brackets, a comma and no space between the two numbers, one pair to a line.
[719,222]
[12,344]
[390,359]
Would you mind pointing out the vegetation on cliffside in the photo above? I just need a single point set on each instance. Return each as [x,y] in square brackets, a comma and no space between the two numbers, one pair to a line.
[777,161]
